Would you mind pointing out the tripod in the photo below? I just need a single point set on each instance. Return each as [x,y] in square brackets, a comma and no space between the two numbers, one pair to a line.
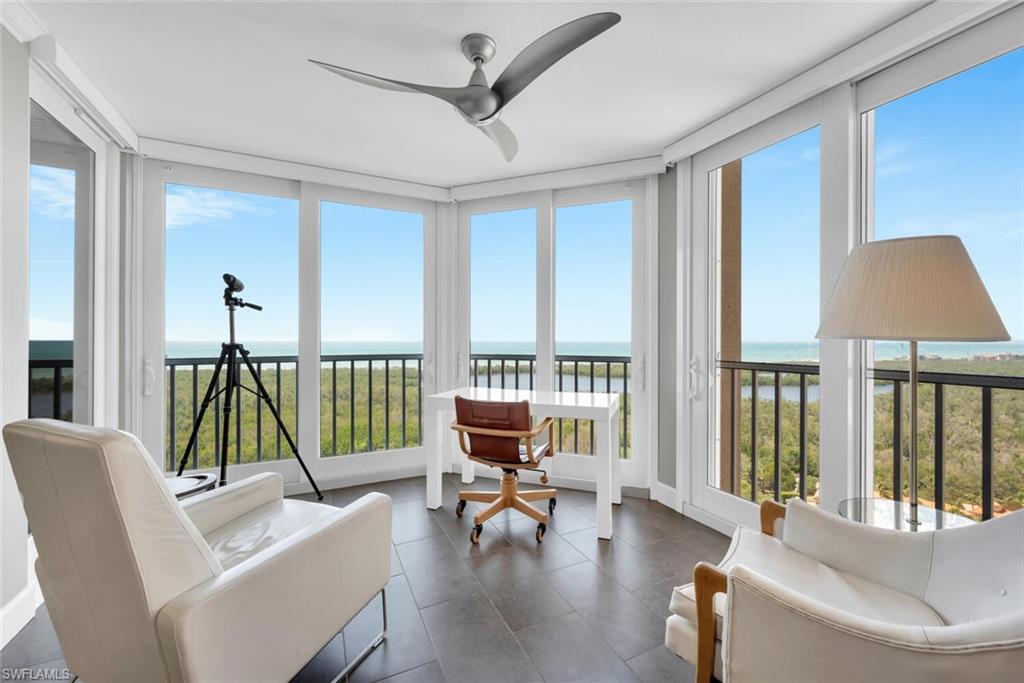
[231,353]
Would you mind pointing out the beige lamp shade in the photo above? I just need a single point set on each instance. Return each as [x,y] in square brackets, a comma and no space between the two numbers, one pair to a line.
[917,288]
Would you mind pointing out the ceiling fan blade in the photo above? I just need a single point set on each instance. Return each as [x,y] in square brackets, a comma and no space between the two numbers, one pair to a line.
[449,95]
[548,49]
[503,137]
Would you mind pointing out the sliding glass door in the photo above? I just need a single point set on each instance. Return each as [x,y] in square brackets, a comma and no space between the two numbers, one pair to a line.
[755,301]
[371,328]
[60,294]
[551,296]
[949,159]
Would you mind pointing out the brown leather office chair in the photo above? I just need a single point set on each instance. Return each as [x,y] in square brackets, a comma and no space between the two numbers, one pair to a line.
[494,431]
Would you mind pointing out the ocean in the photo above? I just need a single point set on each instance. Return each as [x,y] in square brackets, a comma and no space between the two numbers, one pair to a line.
[752,351]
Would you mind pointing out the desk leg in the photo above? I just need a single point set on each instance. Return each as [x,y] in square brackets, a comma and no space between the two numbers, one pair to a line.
[616,461]
[435,453]
[604,454]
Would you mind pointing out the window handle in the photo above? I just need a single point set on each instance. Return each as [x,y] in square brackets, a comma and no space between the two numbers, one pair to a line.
[694,380]
[640,373]
[148,376]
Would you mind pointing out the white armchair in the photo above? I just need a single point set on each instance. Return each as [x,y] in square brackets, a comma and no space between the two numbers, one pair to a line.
[816,597]
[237,584]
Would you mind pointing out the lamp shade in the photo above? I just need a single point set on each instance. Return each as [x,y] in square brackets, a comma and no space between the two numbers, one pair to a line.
[911,289]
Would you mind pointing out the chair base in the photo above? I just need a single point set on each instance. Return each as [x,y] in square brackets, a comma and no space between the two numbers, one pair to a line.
[509,497]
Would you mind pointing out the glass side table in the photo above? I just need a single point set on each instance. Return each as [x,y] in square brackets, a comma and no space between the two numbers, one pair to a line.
[890,514]
[191,484]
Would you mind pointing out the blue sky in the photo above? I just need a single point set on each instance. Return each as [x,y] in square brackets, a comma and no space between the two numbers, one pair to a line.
[51,252]
[950,159]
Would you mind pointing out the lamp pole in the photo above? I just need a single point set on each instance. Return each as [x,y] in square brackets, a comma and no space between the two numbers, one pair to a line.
[913,436]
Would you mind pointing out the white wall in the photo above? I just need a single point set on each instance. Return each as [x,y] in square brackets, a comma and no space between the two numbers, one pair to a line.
[16,594]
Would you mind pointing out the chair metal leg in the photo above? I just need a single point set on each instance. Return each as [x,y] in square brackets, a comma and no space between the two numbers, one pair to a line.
[378,639]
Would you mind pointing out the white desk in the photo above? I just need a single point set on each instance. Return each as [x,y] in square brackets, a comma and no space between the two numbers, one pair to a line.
[603,409]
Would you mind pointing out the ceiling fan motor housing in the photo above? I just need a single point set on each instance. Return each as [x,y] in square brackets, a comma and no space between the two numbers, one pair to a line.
[478,47]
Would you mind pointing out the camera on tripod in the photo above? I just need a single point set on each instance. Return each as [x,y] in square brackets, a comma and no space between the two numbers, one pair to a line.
[234,285]
[234,355]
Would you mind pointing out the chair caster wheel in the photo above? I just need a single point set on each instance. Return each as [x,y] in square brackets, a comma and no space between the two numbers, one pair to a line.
[460,508]
[551,506]
[543,478]
[541,528]
[474,535]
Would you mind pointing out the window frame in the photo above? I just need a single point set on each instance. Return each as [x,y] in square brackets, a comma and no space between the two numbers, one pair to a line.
[640,470]
[987,41]
[328,470]
[701,292]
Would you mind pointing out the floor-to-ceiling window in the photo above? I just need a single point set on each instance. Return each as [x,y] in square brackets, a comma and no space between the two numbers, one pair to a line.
[503,298]
[210,231]
[948,158]
[593,311]
[371,328]
[766,205]
[59,224]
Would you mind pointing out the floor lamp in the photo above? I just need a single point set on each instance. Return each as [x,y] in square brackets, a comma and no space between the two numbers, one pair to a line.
[911,289]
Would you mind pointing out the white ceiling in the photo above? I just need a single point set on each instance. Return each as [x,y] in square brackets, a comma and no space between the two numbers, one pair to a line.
[234,75]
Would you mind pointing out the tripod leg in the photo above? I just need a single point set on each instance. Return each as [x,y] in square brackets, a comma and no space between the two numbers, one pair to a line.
[273,411]
[229,392]
[207,399]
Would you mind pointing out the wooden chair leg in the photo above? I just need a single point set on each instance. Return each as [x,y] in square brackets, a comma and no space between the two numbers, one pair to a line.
[497,506]
[708,580]
[519,504]
[479,496]
[538,494]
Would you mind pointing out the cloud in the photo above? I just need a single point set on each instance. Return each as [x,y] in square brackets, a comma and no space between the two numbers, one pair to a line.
[53,192]
[191,205]
[892,160]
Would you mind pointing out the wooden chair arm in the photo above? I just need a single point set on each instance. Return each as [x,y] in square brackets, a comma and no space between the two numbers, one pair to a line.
[770,512]
[708,581]
[545,424]
[487,431]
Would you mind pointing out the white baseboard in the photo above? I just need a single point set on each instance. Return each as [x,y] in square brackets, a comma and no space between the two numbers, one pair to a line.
[707,519]
[664,494]
[22,607]
[344,481]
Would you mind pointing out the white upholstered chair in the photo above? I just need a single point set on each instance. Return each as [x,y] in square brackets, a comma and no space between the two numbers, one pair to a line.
[237,584]
[815,597]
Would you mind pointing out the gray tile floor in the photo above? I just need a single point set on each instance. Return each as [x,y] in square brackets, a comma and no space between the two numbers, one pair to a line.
[573,608]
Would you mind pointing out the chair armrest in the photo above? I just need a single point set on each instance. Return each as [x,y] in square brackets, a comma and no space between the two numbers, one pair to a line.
[773,633]
[545,424]
[264,618]
[708,580]
[772,512]
[213,509]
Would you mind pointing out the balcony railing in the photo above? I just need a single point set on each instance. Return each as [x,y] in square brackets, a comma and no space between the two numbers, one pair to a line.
[50,388]
[744,441]
[800,376]
[572,373]
[255,436]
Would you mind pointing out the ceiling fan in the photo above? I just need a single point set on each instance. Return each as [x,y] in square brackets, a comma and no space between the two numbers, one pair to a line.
[481,105]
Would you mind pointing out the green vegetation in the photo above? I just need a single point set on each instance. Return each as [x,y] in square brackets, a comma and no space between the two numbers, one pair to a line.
[346,431]
[962,445]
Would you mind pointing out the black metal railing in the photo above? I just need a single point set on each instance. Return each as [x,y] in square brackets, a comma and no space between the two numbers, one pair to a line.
[256,436]
[51,388]
[367,402]
[375,402]
[935,386]
[781,374]
[799,381]
[572,373]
